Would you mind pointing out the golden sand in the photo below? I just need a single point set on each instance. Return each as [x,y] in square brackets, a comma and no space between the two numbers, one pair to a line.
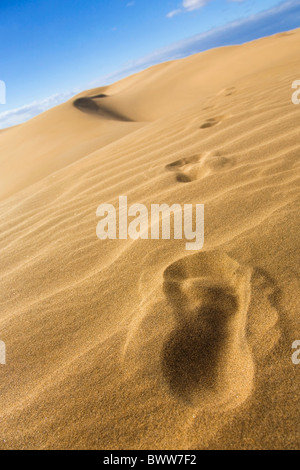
[106,348]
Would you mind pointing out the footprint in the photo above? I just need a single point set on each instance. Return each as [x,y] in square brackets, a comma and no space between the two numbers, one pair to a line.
[196,334]
[230,91]
[206,360]
[210,123]
[182,178]
[198,167]
[185,169]
[227,91]
[174,166]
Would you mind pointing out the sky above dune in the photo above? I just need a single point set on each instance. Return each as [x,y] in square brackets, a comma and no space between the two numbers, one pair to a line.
[52,50]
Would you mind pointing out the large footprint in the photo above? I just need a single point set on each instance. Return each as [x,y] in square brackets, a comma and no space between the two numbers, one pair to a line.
[188,335]
[206,360]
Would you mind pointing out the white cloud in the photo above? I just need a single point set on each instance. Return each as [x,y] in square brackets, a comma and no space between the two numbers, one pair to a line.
[174,13]
[16,116]
[188,5]
[191,5]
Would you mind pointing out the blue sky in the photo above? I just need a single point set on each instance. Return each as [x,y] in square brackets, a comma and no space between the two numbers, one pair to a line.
[52,49]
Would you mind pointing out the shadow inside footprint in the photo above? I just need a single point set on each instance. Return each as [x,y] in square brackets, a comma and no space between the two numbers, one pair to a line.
[193,352]
[182,178]
[206,359]
[174,166]
[212,122]
[208,124]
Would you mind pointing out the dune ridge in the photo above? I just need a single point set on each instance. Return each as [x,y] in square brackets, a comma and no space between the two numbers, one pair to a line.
[123,344]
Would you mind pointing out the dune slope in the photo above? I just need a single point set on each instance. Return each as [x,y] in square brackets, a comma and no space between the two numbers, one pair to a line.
[123,344]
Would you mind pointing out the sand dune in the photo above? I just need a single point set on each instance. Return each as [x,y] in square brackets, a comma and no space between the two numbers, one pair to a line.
[123,344]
